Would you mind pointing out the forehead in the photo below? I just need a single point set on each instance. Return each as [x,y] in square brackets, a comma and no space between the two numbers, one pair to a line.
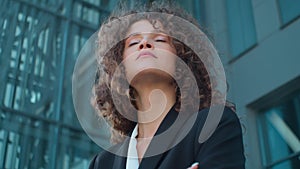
[144,26]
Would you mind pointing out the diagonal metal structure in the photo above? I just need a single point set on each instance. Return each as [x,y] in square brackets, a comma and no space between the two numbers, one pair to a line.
[39,43]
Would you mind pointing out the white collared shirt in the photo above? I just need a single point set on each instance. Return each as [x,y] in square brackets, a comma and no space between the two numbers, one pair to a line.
[132,161]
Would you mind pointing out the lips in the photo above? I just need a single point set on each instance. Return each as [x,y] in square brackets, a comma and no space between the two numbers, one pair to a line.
[146,54]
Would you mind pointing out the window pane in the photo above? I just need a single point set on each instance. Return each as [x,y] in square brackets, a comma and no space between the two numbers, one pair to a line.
[289,9]
[240,25]
[280,132]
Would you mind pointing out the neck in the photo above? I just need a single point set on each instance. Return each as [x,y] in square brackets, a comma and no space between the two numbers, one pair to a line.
[154,101]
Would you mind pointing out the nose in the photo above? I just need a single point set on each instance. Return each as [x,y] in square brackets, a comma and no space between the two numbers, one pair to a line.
[145,44]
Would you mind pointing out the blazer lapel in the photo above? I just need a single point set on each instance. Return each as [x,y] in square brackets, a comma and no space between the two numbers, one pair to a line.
[120,159]
[151,160]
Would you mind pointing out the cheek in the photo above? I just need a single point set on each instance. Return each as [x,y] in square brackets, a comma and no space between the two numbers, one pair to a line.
[129,53]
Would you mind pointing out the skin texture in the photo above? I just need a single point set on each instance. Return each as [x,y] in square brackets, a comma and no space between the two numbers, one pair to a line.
[146,56]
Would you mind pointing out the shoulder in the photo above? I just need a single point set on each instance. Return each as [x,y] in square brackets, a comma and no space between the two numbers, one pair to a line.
[217,115]
[213,120]
[229,119]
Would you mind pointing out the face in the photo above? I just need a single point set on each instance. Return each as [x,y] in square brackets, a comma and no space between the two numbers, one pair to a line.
[148,51]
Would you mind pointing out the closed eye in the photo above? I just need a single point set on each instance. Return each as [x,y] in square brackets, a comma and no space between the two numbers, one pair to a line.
[160,40]
[132,44]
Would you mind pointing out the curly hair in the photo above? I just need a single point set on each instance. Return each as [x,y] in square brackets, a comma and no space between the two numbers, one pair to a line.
[110,50]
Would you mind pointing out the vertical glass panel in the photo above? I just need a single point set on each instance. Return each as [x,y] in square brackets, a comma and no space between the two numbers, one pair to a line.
[289,10]
[196,8]
[242,33]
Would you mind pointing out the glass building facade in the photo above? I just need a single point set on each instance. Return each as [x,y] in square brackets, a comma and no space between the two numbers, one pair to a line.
[39,43]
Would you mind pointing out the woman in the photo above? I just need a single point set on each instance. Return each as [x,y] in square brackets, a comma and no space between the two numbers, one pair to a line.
[158,94]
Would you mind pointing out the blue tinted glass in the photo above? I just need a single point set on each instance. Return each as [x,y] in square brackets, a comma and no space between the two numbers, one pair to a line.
[284,165]
[240,25]
[277,144]
[39,43]
[289,9]
[279,129]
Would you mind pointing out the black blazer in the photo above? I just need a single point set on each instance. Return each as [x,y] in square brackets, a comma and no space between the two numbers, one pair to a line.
[223,150]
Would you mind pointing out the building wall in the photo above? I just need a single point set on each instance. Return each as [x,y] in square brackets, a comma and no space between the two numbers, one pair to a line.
[258,72]
[267,66]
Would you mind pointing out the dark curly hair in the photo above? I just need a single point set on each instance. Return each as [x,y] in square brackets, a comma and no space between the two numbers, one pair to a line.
[110,50]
